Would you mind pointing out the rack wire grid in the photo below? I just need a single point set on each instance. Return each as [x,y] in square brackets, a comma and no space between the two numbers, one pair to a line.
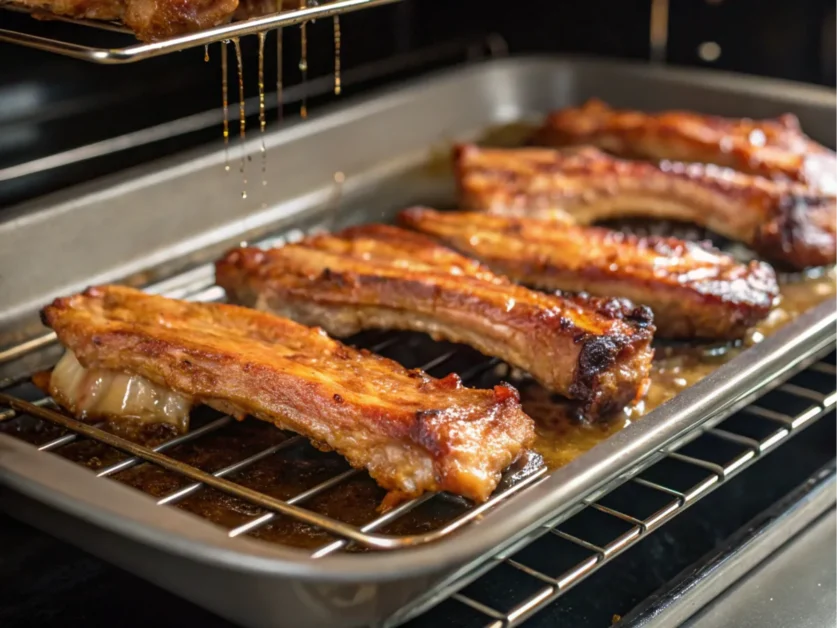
[139,51]
[594,532]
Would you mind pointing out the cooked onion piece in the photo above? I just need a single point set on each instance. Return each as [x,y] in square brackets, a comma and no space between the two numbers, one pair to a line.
[104,394]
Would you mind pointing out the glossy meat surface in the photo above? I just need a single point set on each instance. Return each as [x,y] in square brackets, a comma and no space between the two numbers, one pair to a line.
[375,276]
[782,222]
[693,290]
[150,20]
[775,148]
[413,433]
[258,8]
[153,20]
[107,10]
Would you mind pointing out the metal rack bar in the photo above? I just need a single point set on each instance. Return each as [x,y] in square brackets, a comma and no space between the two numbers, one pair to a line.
[140,51]
[191,435]
[58,442]
[375,524]
[6,415]
[297,499]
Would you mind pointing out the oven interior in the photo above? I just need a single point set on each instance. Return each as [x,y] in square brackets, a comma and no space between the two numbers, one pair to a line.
[55,115]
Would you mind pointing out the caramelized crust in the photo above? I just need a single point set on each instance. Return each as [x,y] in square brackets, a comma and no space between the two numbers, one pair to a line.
[150,20]
[782,222]
[153,20]
[413,433]
[694,291]
[106,10]
[777,149]
[375,276]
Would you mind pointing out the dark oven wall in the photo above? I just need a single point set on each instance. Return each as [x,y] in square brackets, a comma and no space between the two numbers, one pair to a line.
[50,104]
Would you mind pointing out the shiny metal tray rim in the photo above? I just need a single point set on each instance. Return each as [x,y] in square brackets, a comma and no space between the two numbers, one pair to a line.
[76,491]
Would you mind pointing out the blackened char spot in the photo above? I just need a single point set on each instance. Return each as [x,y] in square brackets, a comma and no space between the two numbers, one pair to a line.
[565,323]
[640,316]
[596,356]
[338,279]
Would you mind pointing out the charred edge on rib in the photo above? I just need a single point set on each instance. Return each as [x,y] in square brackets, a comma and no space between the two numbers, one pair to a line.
[597,355]
[790,236]
[616,308]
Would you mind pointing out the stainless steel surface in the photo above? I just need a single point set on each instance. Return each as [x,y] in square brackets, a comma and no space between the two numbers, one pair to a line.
[795,587]
[712,582]
[257,584]
[139,51]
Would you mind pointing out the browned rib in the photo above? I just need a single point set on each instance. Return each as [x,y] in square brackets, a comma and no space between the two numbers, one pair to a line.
[694,291]
[782,222]
[413,433]
[376,276]
[150,20]
[776,149]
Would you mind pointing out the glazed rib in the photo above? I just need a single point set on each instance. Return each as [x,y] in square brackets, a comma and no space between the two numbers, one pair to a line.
[377,276]
[776,148]
[782,222]
[694,291]
[413,433]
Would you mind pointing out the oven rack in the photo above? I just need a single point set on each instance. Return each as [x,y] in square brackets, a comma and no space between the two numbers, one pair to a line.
[737,442]
[710,457]
[140,50]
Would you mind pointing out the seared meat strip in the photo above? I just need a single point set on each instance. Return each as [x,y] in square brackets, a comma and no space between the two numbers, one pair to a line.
[413,433]
[377,276]
[694,291]
[150,20]
[782,222]
[106,10]
[777,148]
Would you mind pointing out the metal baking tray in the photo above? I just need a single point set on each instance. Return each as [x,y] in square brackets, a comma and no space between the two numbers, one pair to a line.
[164,222]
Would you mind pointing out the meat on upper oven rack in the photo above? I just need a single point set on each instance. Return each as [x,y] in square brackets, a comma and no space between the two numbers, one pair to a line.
[598,529]
[138,51]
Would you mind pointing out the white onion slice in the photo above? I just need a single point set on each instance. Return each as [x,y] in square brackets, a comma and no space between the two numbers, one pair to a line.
[104,394]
